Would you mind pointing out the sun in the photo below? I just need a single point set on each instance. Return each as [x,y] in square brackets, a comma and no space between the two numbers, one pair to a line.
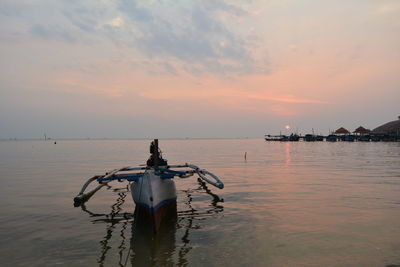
[287,127]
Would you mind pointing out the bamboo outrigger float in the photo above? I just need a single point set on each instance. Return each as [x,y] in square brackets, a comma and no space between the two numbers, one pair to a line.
[152,186]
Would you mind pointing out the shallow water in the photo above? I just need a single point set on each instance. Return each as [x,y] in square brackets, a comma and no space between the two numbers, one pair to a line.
[288,204]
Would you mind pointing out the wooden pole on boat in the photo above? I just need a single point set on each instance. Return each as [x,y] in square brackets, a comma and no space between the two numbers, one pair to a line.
[156,155]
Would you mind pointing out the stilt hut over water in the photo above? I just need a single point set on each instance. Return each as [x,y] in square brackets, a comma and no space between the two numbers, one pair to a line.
[342,131]
[343,134]
[362,134]
[361,131]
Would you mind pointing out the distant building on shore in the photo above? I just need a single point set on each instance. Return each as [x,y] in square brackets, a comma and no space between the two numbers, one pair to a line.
[391,128]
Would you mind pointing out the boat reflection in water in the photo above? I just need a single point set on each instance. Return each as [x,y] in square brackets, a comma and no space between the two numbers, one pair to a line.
[149,248]
[166,247]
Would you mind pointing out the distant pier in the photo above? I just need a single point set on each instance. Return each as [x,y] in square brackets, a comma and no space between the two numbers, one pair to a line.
[388,132]
[332,138]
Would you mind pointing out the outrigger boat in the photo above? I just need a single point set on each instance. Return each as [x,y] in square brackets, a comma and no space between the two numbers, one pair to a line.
[152,186]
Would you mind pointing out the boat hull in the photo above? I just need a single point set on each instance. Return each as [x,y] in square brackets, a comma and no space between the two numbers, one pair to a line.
[155,197]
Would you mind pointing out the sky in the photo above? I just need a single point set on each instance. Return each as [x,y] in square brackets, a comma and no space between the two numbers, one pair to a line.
[197,69]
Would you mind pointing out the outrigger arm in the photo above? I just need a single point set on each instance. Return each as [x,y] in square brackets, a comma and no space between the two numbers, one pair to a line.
[133,174]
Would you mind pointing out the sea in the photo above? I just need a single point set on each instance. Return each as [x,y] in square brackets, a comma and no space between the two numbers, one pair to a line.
[284,204]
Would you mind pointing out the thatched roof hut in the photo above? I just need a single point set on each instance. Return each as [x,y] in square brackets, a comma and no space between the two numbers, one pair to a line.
[361,130]
[390,128]
[342,130]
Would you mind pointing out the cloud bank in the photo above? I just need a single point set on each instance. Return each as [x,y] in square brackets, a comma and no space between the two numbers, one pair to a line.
[197,37]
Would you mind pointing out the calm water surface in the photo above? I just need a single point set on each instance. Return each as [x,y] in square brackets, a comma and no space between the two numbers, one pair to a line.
[289,204]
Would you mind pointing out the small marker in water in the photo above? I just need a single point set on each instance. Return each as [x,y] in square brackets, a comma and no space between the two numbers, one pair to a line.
[245,155]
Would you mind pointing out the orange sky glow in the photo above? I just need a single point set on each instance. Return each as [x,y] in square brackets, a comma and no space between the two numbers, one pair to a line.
[242,68]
